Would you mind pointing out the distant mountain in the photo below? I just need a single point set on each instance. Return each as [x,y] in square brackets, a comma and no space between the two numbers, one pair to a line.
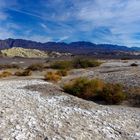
[136,48]
[80,47]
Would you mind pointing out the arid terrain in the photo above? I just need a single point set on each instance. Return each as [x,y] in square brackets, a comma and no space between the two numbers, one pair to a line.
[34,109]
[69,69]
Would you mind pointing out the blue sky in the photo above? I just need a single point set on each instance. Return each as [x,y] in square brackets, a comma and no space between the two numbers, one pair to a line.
[98,21]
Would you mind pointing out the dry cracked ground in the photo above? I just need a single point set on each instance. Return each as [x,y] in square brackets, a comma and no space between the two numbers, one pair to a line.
[38,110]
[26,114]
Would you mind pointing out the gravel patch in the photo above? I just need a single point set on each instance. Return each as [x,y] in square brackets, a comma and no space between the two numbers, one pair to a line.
[27,115]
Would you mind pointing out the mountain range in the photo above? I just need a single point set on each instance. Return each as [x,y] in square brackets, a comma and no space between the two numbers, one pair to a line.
[80,47]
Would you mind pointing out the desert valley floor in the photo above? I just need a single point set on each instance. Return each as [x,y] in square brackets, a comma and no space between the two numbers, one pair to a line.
[33,109]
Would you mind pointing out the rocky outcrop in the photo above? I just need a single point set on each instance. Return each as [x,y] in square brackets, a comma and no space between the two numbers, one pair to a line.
[37,110]
[30,53]
[21,52]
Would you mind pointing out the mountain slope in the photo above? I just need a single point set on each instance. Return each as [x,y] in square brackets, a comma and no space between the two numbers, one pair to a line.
[80,47]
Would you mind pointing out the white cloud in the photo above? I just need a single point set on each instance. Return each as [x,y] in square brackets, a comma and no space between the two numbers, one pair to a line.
[44,26]
[73,17]
[63,38]
[38,38]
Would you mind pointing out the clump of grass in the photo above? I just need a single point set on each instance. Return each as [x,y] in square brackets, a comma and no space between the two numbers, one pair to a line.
[52,76]
[95,89]
[23,73]
[5,74]
[36,67]
[9,66]
[62,72]
[76,63]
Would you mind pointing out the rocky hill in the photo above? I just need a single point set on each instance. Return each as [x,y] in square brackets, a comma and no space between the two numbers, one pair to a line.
[30,53]
[21,52]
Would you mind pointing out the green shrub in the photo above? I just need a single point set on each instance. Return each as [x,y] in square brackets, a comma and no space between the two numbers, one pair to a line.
[23,73]
[36,67]
[52,76]
[95,89]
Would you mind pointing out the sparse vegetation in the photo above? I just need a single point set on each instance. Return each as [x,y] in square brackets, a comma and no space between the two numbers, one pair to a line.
[76,63]
[9,66]
[95,89]
[52,76]
[112,93]
[24,73]
[36,67]
[85,63]
[5,74]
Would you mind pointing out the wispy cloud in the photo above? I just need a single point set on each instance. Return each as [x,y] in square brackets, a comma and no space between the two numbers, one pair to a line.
[63,38]
[38,38]
[26,12]
[99,21]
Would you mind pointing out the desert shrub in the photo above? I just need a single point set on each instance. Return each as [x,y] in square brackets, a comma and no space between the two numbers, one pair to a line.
[84,88]
[5,74]
[85,63]
[23,73]
[134,65]
[61,65]
[76,63]
[52,76]
[62,72]
[9,66]
[36,67]
[95,89]
[112,93]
